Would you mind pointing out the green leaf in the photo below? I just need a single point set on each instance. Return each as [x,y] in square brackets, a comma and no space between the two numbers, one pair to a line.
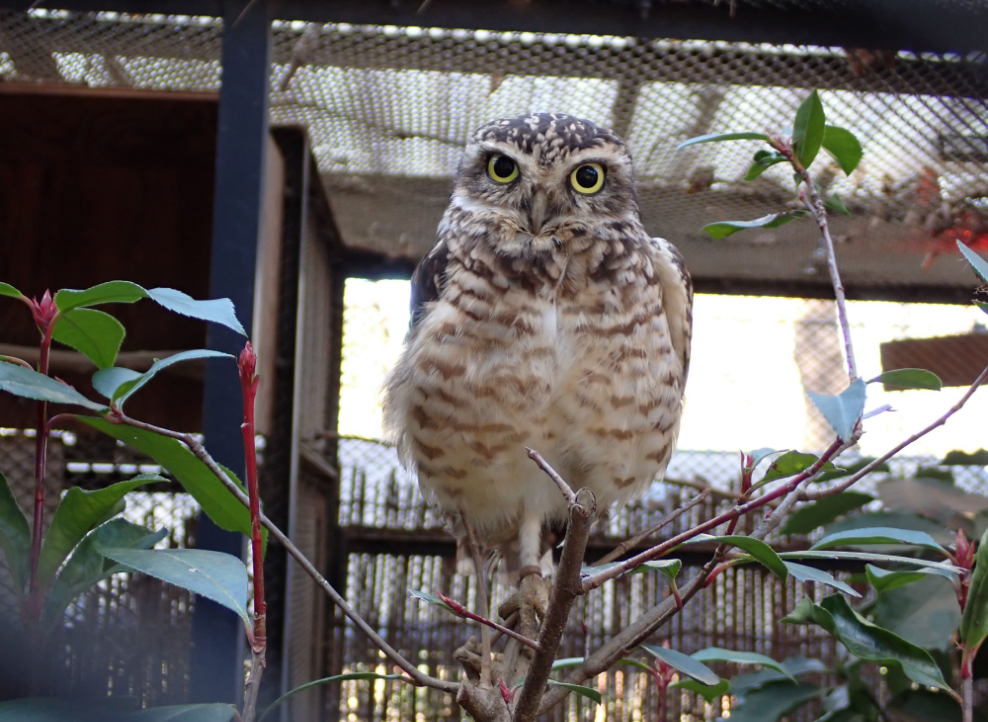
[106,381]
[214,575]
[683,663]
[774,701]
[878,535]
[852,469]
[885,580]
[195,477]
[110,292]
[15,537]
[842,411]
[94,334]
[977,262]
[20,381]
[723,229]
[183,713]
[809,574]
[219,310]
[764,159]
[756,548]
[87,566]
[579,689]
[834,203]
[910,379]
[924,613]
[709,692]
[812,516]
[869,557]
[843,146]
[808,129]
[325,680]
[669,568]
[974,622]
[759,455]
[716,654]
[431,599]
[962,458]
[790,464]
[128,388]
[720,137]
[868,641]
[7,290]
[77,514]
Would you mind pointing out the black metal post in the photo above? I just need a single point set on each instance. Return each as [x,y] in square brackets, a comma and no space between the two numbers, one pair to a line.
[242,136]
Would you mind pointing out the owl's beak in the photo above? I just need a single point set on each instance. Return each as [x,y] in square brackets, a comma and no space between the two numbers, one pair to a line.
[537,216]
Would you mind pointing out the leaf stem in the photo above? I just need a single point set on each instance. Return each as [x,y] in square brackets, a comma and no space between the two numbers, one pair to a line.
[40,461]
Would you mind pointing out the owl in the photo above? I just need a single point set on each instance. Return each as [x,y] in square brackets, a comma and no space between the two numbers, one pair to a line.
[544,317]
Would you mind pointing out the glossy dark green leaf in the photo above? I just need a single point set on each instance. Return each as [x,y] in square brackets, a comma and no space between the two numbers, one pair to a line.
[77,514]
[759,455]
[974,622]
[360,676]
[962,458]
[790,464]
[129,385]
[15,537]
[219,310]
[822,512]
[94,334]
[20,381]
[924,612]
[716,654]
[756,548]
[843,146]
[921,705]
[183,713]
[763,161]
[808,129]
[579,689]
[106,381]
[195,477]
[896,520]
[723,229]
[834,203]
[669,568]
[773,701]
[87,566]
[683,663]
[842,411]
[885,580]
[7,290]
[978,264]
[868,641]
[720,137]
[809,574]
[214,575]
[868,557]
[878,535]
[110,292]
[709,692]
[910,379]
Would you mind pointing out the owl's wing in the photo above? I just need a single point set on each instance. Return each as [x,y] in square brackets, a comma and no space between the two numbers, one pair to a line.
[428,281]
[677,297]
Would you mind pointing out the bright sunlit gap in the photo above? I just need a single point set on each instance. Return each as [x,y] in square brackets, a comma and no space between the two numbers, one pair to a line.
[746,374]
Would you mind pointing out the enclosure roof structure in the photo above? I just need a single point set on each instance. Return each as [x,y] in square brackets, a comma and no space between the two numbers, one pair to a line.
[390,92]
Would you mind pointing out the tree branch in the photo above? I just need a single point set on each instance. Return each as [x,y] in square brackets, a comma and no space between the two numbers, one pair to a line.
[418,677]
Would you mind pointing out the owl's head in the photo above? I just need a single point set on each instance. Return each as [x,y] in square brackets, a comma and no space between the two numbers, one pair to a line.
[545,179]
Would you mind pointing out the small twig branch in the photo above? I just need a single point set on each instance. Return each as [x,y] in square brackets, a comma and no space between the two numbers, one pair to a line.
[417,677]
[967,693]
[701,486]
[634,541]
[851,480]
[566,589]
[594,580]
[815,205]
[485,633]
[564,488]
[510,622]
[460,610]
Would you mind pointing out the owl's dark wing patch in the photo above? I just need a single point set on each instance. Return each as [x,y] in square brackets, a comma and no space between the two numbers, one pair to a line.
[428,281]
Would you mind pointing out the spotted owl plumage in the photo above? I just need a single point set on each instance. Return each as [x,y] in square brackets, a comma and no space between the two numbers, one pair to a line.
[544,317]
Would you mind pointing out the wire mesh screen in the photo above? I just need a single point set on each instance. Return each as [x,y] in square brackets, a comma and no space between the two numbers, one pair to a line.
[389,109]
[129,634]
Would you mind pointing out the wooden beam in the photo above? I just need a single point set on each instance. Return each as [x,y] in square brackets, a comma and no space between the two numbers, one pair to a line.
[957,360]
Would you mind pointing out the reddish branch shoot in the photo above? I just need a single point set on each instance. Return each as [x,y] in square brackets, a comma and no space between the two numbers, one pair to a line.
[248,383]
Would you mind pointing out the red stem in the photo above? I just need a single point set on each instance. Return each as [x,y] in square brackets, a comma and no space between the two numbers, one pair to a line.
[40,457]
[249,386]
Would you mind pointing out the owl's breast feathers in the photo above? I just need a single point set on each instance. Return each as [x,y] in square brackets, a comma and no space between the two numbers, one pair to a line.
[579,352]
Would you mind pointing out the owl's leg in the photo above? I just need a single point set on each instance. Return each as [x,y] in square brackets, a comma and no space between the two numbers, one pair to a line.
[485,632]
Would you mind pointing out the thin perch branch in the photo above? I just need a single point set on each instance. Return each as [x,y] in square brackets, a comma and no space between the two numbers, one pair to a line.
[565,488]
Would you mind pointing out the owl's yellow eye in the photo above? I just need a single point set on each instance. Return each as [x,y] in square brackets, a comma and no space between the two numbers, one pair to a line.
[501,169]
[588,178]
